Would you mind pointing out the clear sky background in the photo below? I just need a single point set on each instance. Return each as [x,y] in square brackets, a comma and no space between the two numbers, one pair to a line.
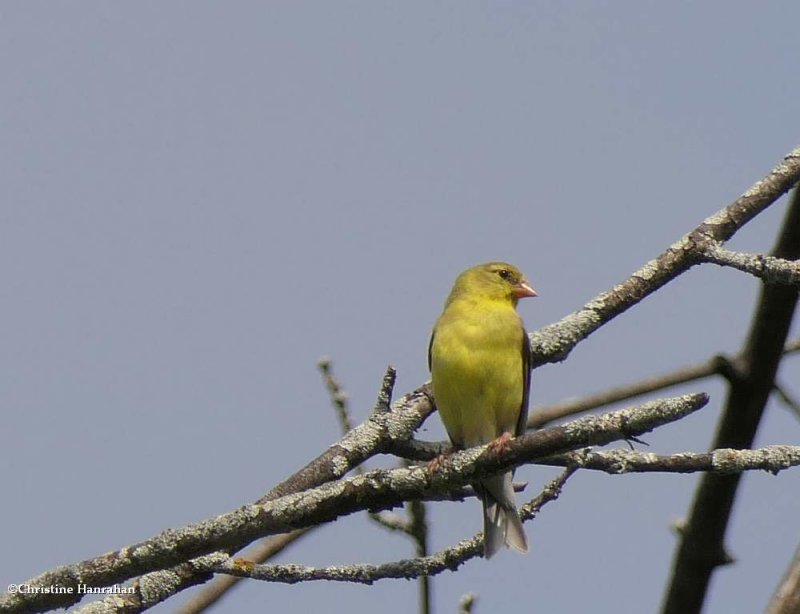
[200,199]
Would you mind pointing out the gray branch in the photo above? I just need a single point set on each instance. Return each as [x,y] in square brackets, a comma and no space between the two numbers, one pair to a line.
[385,428]
[553,343]
[725,461]
[769,268]
[701,546]
[450,559]
[786,599]
[772,459]
[375,490]
[718,365]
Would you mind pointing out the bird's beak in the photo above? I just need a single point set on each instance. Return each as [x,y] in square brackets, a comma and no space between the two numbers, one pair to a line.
[523,289]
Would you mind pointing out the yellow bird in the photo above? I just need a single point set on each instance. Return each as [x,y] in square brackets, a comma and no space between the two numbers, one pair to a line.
[479,357]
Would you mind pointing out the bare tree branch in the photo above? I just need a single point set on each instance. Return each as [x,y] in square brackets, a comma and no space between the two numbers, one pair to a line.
[450,559]
[417,528]
[153,588]
[569,407]
[553,343]
[419,531]
[266,548]
[411,410]
[773,459]
[726,461]
[385,428]
[720,364]
[770,269]
[259,552]
[717,365]
[379,489]
[701,547]
[369,438]
[337,394]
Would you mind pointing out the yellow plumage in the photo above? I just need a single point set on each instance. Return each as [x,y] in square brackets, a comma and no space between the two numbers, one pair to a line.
[479,358]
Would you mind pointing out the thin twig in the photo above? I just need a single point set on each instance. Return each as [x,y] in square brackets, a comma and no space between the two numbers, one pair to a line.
[373,436]
[786,599]
[391,521]
[770,269]
[337,394]
[383,404]
[259,552]
[787,399]
[466,603]
[772,459]
[419,530]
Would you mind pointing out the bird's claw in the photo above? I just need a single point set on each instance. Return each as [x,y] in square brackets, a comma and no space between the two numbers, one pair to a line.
[501,444]
[436,463]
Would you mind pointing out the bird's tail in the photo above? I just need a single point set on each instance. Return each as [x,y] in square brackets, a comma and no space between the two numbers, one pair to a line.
[501,523]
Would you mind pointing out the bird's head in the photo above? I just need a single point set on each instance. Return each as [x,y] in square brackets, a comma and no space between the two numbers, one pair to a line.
[493,280]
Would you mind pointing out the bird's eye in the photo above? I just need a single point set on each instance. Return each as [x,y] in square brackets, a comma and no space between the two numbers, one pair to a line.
[504,273]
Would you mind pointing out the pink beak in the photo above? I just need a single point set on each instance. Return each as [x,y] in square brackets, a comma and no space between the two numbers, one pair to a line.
[523,289]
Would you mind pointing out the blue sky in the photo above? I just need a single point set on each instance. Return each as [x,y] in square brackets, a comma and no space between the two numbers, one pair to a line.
[201,199]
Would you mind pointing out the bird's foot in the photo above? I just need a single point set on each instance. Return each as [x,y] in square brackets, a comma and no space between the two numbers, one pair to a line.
[436,463]
[500,444]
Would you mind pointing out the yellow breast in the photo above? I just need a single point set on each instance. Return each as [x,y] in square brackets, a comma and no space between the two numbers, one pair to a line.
[477,371]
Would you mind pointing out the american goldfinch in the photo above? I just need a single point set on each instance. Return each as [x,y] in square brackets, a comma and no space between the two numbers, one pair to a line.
[479,357]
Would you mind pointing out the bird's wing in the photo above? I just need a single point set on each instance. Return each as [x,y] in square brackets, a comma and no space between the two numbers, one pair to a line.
[430,347]
[522,421]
